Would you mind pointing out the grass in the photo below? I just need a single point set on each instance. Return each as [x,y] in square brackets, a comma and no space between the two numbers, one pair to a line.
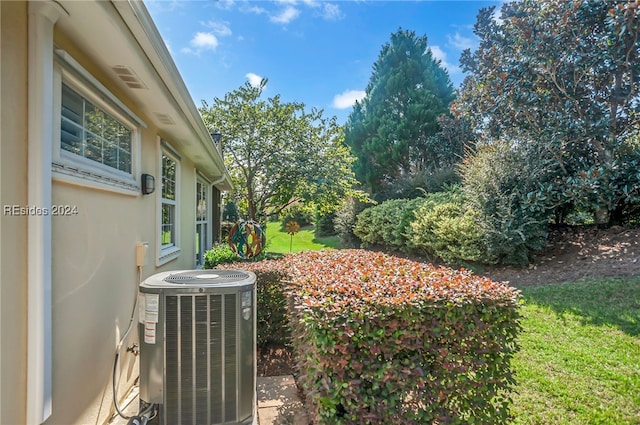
[579,361]
[279,241]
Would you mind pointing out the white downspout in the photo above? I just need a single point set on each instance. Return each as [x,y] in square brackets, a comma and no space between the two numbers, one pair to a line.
[42,17]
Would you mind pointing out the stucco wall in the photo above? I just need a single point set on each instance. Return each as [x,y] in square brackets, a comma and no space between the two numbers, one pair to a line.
[94,273]
[13,230]
[95,276]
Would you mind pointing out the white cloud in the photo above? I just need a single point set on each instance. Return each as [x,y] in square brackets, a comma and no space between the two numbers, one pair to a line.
[332,12]
[287,15]
[255,9]
[201,41]
[254,79]
[441,55]
[219,28]
[347,98]
[460,42]
[311,3]
[225,4]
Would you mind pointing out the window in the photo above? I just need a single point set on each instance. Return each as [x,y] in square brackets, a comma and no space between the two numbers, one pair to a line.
[202,220]
[169,213]
[97,140]
[90,132]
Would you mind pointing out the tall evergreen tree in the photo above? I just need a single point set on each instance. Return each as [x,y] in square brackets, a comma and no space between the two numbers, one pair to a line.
[389,130]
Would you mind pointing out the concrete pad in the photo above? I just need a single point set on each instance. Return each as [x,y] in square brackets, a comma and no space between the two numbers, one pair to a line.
[278,402]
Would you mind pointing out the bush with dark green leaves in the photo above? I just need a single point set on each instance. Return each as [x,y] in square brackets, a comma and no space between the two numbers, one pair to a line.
[499,183]
[219,254]
[324,224]
[384,340]
[387,224]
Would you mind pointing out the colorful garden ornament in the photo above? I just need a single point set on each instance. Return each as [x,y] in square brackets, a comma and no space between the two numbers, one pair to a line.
[247,239]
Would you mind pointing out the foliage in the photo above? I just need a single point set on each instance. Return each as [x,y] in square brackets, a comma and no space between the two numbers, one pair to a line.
[272,321]
[230,212]
[498,187]
[219,254]
[379,339]
[302,216]
[417,184]
[564,77]
[387,224]
[324,224]
[278,153]
[389,130]
[445,228]
[588,331]
[345,222]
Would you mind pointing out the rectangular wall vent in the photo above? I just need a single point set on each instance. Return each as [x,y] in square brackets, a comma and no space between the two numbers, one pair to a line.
[128,76]
[164,118]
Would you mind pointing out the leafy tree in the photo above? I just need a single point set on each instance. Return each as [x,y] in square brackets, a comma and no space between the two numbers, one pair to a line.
[564,76]
[278,154]
[389,129]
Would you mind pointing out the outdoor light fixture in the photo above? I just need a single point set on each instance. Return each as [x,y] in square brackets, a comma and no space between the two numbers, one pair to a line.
[148,184]
[216,136]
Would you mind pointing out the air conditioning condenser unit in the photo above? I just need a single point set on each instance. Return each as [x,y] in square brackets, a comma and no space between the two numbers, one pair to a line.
[198,346]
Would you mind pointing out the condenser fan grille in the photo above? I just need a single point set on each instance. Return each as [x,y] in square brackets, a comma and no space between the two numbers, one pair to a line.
[206,277]
[206,365]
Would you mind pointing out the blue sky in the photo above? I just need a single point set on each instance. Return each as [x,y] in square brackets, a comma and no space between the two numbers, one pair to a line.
[316,52]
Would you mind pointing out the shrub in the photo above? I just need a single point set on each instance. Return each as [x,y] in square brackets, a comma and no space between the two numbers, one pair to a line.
[383,340]
[272,321]
[444,227]
[219,254]
[417,184]
[345,221]
[500,185]
[387,224]
[324,224]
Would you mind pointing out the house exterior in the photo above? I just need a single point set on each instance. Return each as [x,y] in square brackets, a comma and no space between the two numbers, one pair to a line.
[93,114]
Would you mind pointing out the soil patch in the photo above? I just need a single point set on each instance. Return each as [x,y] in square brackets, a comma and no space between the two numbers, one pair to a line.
[575,253]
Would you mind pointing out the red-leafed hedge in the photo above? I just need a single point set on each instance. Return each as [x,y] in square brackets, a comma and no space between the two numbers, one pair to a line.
[384,340]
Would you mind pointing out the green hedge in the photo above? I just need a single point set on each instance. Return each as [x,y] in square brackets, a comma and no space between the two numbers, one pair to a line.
[384,340]
[445,227]
[219,254]
[387,224]
[272,320]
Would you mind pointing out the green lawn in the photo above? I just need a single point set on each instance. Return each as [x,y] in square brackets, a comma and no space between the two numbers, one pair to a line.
[579,361]
[279,241]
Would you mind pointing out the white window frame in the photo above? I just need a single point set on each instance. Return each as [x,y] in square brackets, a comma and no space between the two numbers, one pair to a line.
[170,252]
[206,184]
[77,169]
